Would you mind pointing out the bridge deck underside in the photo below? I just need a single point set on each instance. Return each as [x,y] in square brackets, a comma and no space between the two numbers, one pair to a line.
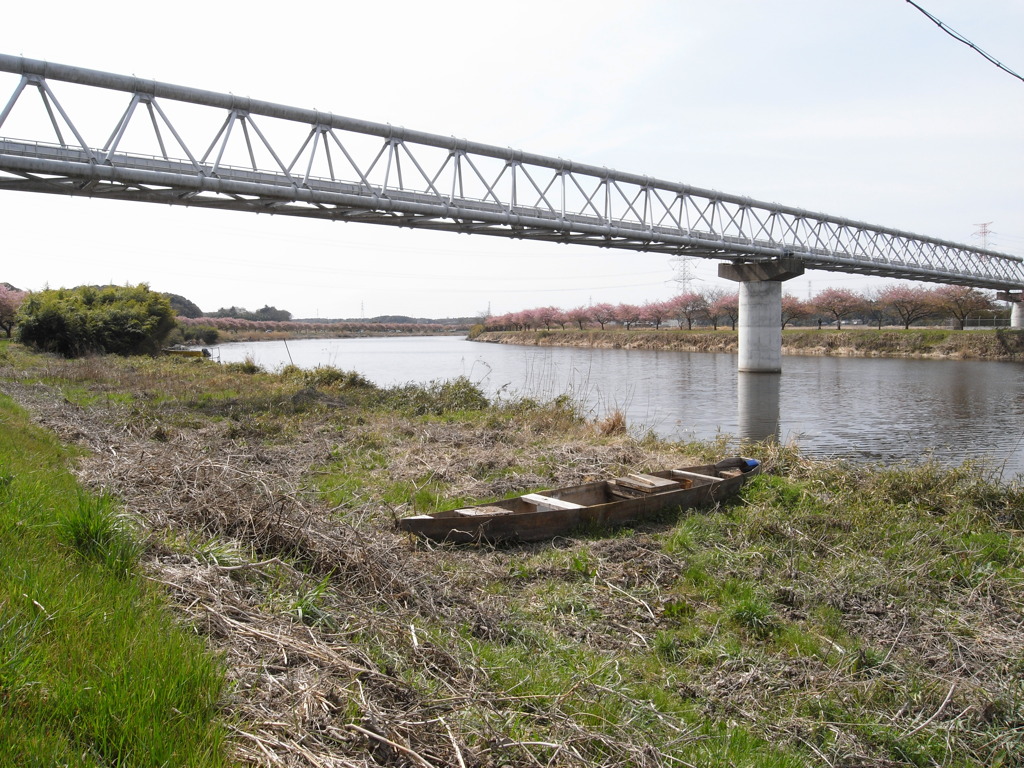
[155,180]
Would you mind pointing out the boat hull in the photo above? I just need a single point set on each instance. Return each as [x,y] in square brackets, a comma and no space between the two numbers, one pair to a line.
[595,506]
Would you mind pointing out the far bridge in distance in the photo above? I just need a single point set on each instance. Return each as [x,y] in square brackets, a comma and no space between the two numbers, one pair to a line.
[171,144]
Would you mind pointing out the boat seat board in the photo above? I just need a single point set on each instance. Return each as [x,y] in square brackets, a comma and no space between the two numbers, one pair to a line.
[550,502]
[486,511]
[695,475]
[647,483]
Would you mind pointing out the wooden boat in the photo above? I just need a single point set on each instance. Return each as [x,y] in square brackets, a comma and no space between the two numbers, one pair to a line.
[607,503]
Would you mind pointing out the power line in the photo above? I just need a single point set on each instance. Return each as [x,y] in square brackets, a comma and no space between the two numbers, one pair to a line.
[957,36]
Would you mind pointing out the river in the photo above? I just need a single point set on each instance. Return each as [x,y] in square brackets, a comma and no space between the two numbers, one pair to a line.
[862,408]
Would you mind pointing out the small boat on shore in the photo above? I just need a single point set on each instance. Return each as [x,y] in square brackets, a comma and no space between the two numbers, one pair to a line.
[602,504]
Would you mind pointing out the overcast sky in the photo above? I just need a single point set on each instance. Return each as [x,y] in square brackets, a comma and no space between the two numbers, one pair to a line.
[863,109]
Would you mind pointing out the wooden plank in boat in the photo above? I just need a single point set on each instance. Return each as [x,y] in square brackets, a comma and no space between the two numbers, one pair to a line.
[695,475]
[547,503]
[477,511]
[646,483]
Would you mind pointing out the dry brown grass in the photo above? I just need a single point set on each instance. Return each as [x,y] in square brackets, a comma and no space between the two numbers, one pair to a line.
[293,592]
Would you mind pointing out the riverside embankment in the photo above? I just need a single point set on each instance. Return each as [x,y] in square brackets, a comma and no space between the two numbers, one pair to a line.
[998,344]
[834,615]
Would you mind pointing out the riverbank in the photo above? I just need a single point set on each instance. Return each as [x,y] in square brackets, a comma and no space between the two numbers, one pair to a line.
[998,344]
[833,615]
[246,335]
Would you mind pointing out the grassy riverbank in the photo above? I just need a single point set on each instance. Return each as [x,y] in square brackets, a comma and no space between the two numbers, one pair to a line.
[998,344]
[93,669]
[832,615]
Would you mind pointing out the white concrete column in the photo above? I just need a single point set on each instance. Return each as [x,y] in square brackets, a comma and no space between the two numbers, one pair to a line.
[1016,300]
[760,320]
[760,327]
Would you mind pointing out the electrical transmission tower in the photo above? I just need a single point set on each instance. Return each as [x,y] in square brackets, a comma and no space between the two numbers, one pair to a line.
[983,232]
[684,272]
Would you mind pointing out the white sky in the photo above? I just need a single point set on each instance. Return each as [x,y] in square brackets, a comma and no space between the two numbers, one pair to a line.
[860,109]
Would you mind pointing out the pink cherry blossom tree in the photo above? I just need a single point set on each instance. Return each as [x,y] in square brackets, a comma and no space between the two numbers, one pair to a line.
[10,299]
[794,309]
[728,306]
[546,316]
[689,307]
[837,303]
[579,315]
[909,302]
[655,312]
[627,314]
[602,314]
[961,301]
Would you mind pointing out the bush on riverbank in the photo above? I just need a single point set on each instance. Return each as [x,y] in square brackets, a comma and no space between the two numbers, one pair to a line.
[998,344]
[832,615]
[123,320]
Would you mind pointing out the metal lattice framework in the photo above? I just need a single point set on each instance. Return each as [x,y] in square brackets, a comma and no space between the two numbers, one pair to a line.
[303,162]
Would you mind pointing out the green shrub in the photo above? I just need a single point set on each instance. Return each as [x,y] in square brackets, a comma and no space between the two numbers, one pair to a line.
[205,334]
[325,376]
[73,322]
[248,366]
[438,397]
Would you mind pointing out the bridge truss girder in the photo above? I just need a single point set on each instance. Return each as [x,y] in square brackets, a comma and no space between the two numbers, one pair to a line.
[299,162]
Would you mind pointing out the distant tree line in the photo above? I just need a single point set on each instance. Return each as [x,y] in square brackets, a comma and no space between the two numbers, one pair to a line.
[897,304]
[265,314]
[190,326]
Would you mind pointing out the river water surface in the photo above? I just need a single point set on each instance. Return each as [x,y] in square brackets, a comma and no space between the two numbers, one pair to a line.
[863,408]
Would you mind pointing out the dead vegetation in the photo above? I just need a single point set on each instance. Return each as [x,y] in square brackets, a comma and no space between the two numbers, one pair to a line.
[773,634]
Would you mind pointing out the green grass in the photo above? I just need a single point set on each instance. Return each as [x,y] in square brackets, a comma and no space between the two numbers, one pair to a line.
[93,669]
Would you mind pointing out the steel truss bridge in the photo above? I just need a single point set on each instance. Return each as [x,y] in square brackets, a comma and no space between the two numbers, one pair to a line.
[177,145]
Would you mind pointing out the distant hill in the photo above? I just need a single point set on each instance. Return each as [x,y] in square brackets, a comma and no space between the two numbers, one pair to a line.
[187,308]
[183,306]
[396,320]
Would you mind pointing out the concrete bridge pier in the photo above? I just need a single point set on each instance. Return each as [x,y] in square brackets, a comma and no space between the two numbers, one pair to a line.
[1016,308]
[760,320]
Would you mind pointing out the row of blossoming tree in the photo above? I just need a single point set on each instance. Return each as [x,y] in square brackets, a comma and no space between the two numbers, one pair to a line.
[322,328]
[897,304]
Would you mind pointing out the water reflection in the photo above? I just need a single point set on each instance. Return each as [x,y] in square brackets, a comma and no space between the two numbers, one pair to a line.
[757,396]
